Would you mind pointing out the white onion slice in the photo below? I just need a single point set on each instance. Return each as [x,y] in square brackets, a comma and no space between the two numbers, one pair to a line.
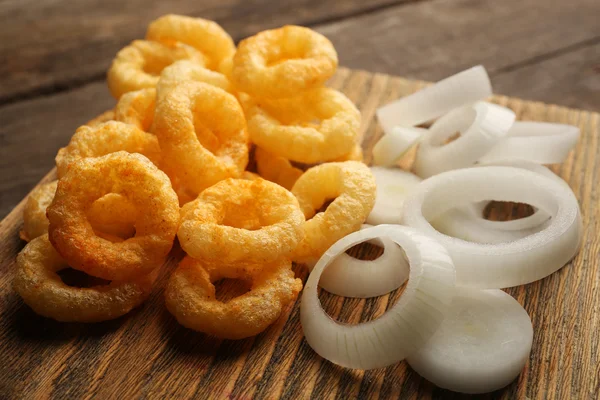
[393,185]
[481,127]
[467,222]
[504,264]
[482,345]
[350,277]
[394,145]
[405,327]
[539,142]
[458,90]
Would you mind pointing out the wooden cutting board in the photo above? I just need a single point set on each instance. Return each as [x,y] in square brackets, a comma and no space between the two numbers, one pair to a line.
[147,354]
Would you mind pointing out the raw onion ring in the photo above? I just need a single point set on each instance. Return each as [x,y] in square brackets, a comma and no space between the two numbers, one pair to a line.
[37,282]
[283,62]
[393,185]
[539,142]
[405,327]
[458,90]
[481,346]
[481,127]
[351,277]
[141,183]
[504,264]
[394,145]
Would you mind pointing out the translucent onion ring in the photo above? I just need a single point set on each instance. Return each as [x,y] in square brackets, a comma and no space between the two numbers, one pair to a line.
[351,277]
[461,89]
[506,264]
[405,327]
[539,142]
[394,145]
[481,127]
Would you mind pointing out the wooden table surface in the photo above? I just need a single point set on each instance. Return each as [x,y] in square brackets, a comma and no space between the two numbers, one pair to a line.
[54,55]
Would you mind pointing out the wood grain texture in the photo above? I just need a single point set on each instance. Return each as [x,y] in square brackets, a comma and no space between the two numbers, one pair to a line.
[146,354]
[55,45]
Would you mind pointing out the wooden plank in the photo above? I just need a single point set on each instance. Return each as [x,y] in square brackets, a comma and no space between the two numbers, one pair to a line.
[147,354]
[53,45]
[434,39]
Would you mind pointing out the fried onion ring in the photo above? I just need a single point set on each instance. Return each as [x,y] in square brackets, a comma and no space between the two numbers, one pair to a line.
[137,108]
[146,187]
[190,297]
[287,127]
[106,138]
[276,169]
[241,221]
[351,186]
[282,62]
[206,36]
[35,222]
[37,282]
[111,215]
[139,65]
[106,116]
[183,71]
[202,134]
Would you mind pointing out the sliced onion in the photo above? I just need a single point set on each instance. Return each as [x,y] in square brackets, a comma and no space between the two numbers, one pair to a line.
[458,90]
[482,345]
[350,277]
[393,185]
[539,142]
[467,222]
[405,327]
[394,145]
[504,264]
[481,127]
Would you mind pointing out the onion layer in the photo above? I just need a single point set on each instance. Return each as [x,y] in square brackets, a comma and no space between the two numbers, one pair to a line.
[481,127]
[394,145]
[458,90]
[539,142]
[393,185]
[350,277]
[505,264]
[405,327]
[482,345]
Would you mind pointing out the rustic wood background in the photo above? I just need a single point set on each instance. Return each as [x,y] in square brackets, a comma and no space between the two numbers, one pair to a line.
[146,354]
[54,55]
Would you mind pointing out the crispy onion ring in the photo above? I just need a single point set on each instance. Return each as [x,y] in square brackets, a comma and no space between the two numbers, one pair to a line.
[501,265]
[138,65]
[351,277]
[283,62]
[137,108]
[110,215]
[481,127]
[141,183]
[286,127]
[106,116]
[190,297]
[106,138]
[405,327]
[183,71]
[351,185]
[37,282]
[206,36]
[202,134]
[35,222]
[241,221]
[539,142]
